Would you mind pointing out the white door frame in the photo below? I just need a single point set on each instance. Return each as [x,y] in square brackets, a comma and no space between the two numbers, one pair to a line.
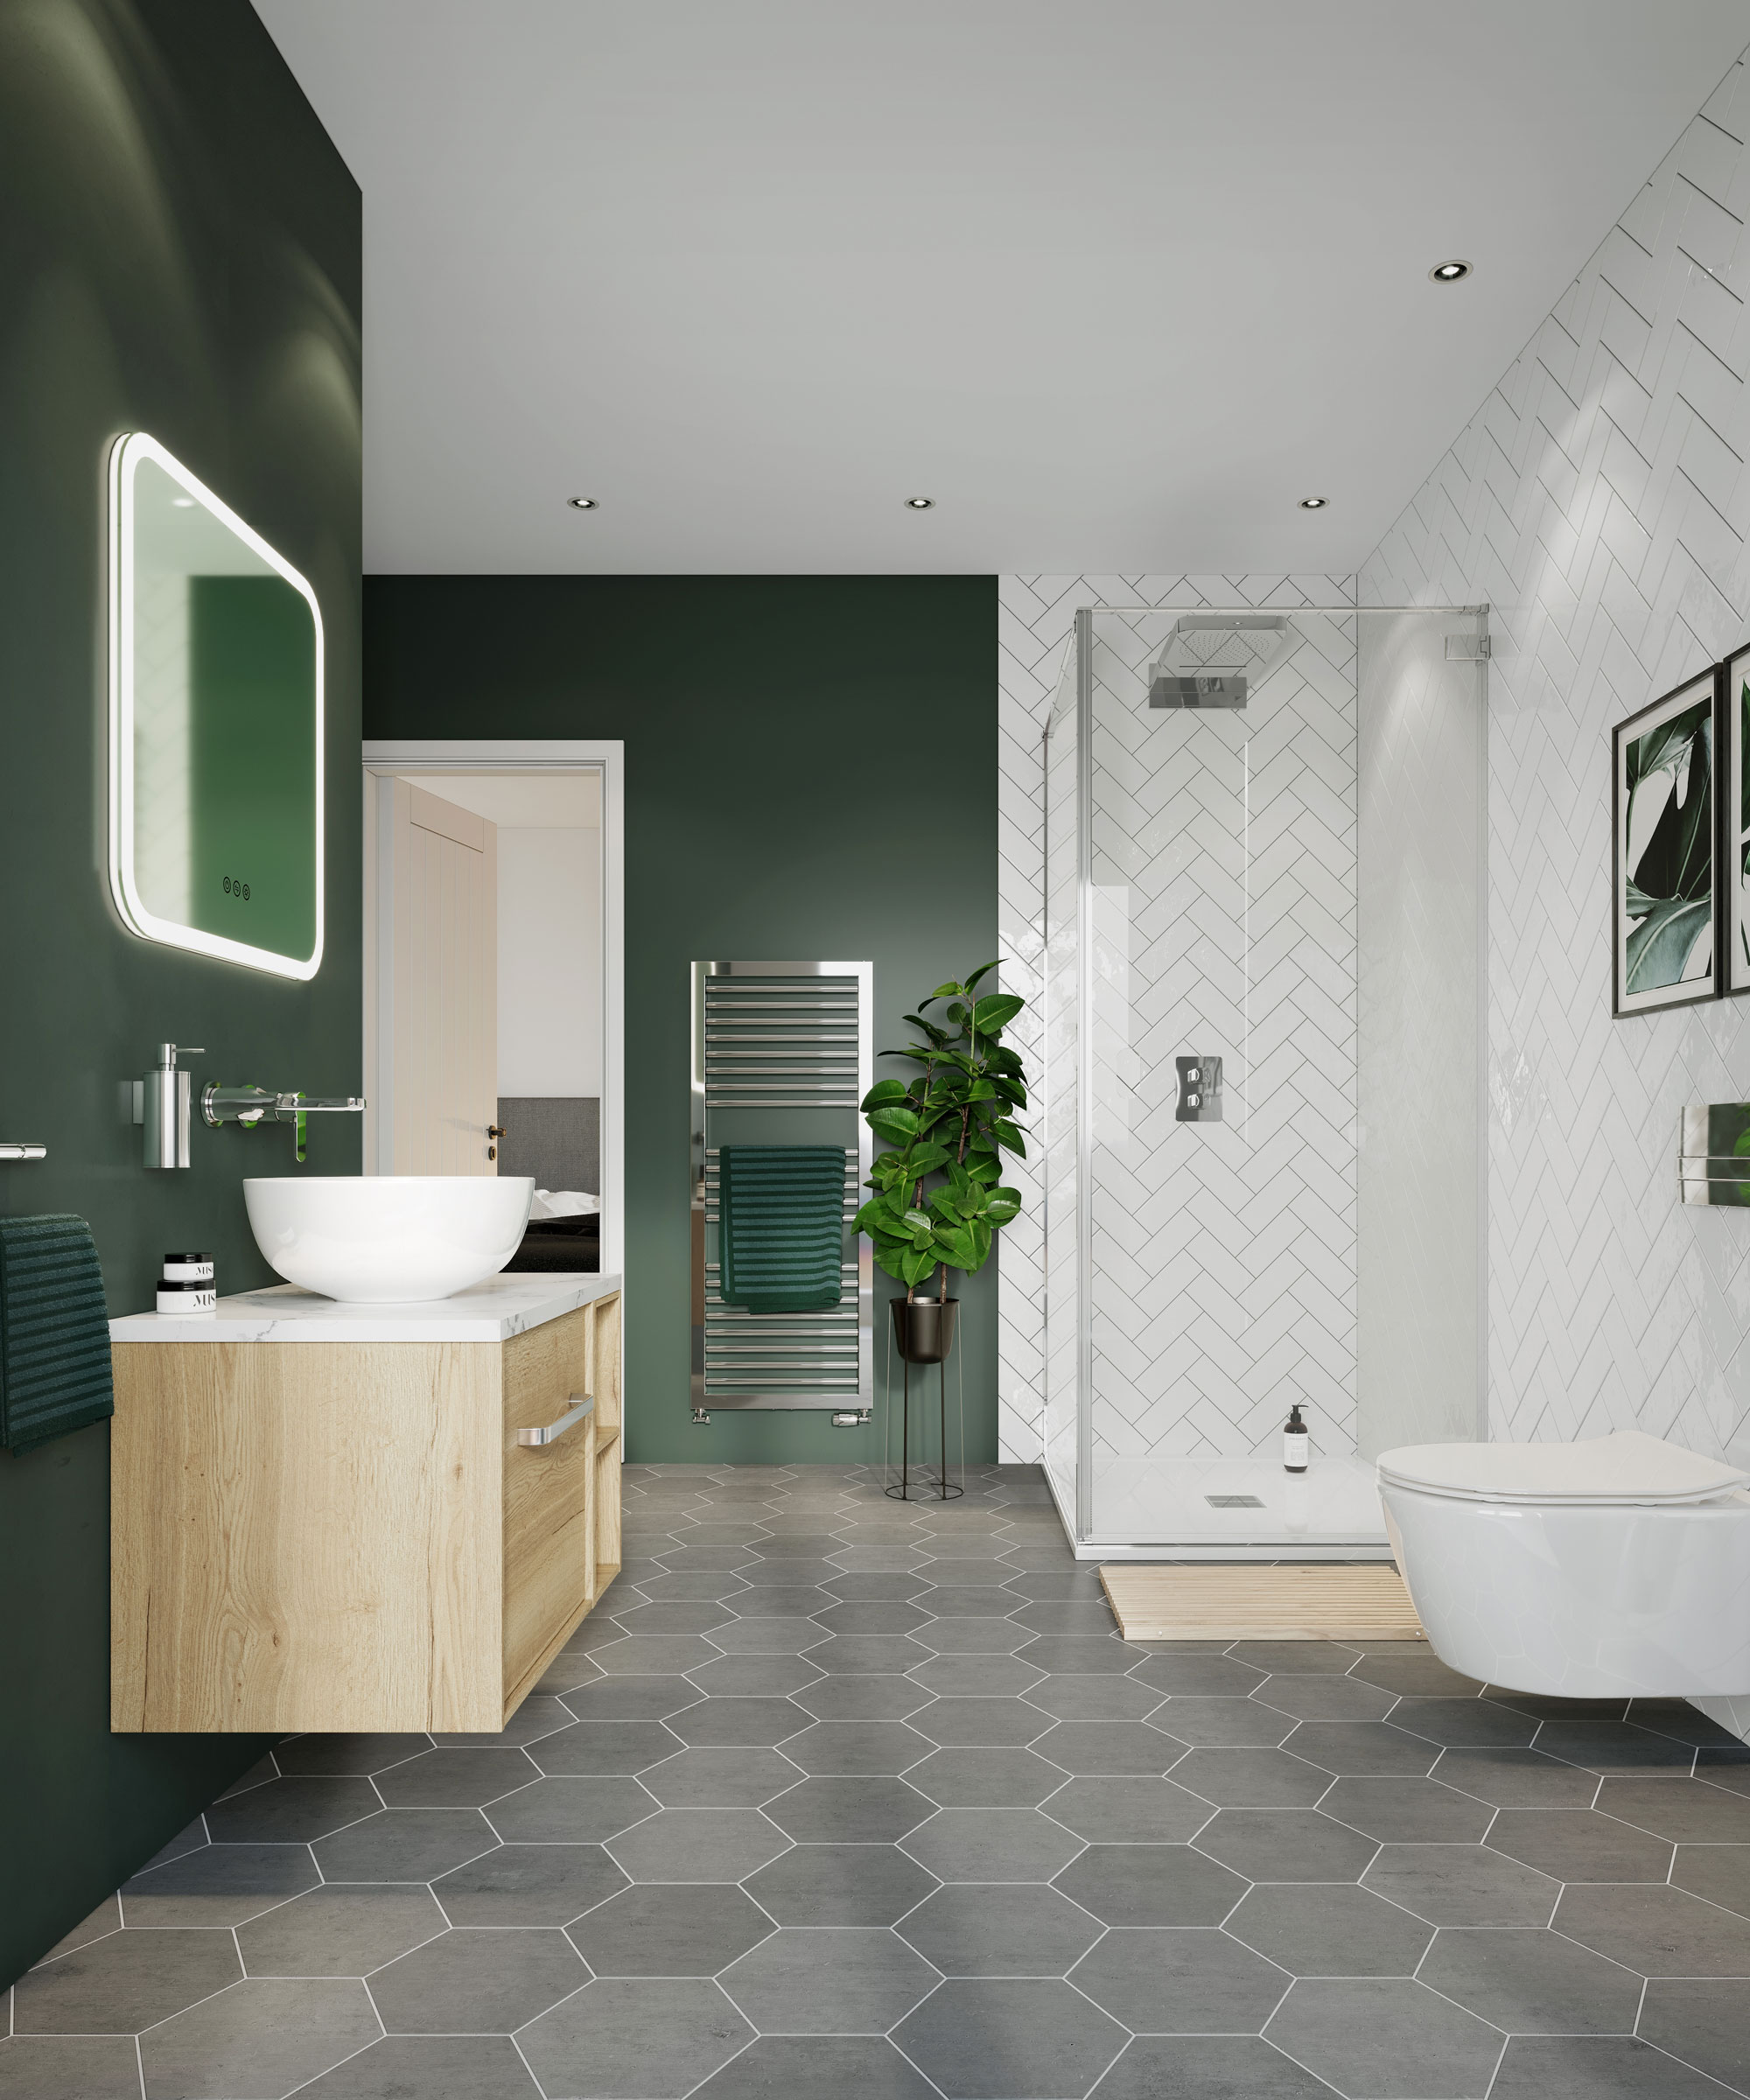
[553,754]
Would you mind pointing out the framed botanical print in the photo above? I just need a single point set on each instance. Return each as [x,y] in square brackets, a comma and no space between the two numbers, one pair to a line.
[1665,888]
[1733,740]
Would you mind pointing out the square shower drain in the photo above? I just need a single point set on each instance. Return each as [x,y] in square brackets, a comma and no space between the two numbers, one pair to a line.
[1233,1502]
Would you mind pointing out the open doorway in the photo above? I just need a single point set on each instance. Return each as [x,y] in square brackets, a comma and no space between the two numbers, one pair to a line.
[494,979]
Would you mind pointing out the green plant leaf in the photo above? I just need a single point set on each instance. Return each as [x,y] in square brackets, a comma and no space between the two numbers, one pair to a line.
[944,991]
[927,1158]
[897,1126]
[1661,945]
[1009,1137]
[995,1011]
[892,1258]
[982,1089]
[1003,1204]
[983,970]
[883,1091]
[914,1267]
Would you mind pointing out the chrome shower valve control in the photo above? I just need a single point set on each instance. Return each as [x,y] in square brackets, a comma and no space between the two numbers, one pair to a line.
[1200,1089]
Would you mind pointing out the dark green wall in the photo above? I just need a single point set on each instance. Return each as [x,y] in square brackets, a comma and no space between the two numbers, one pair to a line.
[179,253]
[810,771]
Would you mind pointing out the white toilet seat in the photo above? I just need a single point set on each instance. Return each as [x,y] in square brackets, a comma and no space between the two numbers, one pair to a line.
[1618,1567]
[1628,1469]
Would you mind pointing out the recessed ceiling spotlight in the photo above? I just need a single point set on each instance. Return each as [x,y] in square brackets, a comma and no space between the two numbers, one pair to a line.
[1314,502]
[1450,273]
[919,503]
[582,503]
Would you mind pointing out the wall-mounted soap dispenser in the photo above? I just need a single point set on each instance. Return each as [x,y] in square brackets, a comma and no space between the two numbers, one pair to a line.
[163,1102]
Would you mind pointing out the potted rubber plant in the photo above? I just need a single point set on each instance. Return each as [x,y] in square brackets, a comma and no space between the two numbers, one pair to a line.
[940,1198]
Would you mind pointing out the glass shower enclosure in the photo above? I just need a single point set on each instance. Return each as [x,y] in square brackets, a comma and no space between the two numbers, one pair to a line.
[1263,1159]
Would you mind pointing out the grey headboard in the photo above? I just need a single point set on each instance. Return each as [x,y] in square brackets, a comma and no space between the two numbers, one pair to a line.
[556,1139]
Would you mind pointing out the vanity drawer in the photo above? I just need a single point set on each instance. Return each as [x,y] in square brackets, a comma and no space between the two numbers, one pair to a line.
[550,1495]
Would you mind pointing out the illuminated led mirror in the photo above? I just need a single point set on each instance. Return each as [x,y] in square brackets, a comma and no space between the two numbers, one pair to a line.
[215,724]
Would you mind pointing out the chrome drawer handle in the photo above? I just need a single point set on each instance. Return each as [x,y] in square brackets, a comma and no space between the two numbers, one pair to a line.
[582,1405]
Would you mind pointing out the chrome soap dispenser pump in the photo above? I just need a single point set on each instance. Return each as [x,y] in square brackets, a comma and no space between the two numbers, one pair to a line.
[167,1106]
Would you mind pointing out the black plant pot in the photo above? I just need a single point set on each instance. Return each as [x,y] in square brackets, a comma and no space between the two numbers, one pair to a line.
[923,1328]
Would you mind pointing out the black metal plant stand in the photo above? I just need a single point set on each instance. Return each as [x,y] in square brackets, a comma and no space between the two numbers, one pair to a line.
[923,1330]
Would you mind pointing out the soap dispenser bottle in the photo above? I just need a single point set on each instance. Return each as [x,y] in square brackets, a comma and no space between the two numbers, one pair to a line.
[1297,1442]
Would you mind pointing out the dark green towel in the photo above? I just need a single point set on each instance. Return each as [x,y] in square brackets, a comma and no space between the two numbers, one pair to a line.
[54,1331]
[780,1238]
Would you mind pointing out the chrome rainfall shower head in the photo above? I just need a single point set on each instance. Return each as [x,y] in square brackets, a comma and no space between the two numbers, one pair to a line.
[1212,658]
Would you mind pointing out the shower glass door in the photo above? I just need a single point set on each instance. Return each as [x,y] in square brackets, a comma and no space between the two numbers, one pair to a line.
[1224,882]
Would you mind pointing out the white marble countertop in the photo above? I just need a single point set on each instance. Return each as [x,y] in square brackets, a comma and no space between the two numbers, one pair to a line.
[493,1311]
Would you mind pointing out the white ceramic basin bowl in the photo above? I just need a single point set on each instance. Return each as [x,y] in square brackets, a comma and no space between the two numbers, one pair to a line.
[388,1239]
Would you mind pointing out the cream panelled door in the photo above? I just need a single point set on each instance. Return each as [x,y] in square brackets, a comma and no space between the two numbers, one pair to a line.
[437,985]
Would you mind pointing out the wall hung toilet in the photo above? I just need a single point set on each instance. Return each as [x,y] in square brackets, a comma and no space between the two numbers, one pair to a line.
[1615,1568]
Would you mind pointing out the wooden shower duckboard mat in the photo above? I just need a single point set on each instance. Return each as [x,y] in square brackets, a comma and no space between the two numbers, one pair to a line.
[1232,1602]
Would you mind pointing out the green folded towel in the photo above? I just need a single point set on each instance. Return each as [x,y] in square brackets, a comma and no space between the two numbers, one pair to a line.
[780,1239]
[54,1331]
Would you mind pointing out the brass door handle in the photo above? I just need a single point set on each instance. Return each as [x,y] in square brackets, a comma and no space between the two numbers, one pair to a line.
[582,1405]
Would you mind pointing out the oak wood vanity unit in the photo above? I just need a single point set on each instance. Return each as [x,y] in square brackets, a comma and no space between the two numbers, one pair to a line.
[329,1516]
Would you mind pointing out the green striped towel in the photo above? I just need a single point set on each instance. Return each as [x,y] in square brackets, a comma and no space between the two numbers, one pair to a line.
[780,1238]
[54,1331]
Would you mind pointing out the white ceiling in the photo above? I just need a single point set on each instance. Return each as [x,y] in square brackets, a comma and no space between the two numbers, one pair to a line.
[1116,282]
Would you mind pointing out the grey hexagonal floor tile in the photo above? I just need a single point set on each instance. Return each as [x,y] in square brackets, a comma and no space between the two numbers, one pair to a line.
[256,2041]
[802,2067]
[657,2039]
[739,1723]
[1000,1928]
[840,1885]
[669,1930]
[1329,1930]
[1150,1885]
[849,1811]
[993,1724]
[991,1845]
[986,1779]
[1208,2066]
[219,1885]
[1532,1981]
[883,1747]
[568,1811]
[698,1845]
[858,1696]
[357,1755]
[1582,2067]
[584,1748]
[1124,1748]
[1286,1844]
[1688,1811]
[1656,1931]
[1114,1809]
[123,1982]
[1185,1980]
[405,1844]
[1579,1844]
[477,1982]
[455,1779]
[291,1811]
[1251,1779]
[449,2067]
[528,1884]
[851,1981]
[994,2039]
[342,1930]
[69,2067]
[635,1698]
[1407,1811]
[1462,1885]
[1377,2035]
[1702,2022]
[720,1778]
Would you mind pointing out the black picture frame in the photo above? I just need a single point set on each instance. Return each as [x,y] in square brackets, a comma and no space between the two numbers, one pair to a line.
[1732,744]
[1670,839]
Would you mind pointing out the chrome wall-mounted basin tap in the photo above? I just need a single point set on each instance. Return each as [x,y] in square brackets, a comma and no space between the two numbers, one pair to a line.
[251,1106]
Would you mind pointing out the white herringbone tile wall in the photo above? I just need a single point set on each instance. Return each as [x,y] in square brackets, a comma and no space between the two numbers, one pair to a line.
[1186,1362]
[1599,501]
